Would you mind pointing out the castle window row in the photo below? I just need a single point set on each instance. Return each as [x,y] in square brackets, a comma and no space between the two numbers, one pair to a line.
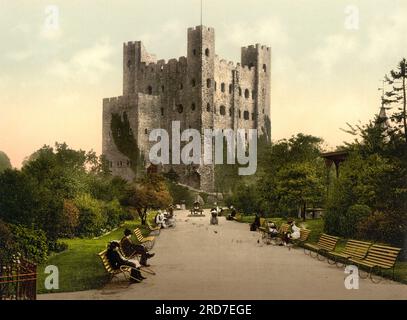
[222,112]
[207,52]
[120,164]
[247,93]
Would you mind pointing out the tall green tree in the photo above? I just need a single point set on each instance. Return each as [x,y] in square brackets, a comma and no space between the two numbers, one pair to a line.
[293,177]
[4,162]
[396,96]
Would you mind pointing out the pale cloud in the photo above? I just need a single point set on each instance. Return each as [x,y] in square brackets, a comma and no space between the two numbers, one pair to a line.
[23,28]
[50,34]
[171,32]
[88,64]
[387,37]
[19,56]
[270,32]
[334,49]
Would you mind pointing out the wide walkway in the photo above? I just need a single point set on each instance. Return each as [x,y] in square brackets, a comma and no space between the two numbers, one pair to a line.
[199,261]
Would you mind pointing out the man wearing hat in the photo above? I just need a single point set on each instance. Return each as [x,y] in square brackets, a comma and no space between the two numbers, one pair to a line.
[131,249]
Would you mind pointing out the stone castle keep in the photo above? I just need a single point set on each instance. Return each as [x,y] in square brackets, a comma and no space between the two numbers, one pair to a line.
[200,90]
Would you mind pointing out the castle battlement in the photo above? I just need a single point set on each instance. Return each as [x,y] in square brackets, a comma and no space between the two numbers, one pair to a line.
[200,28]
[200,90]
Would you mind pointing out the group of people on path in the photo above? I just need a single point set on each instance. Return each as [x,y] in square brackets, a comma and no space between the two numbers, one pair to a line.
[292,233]
[165,219]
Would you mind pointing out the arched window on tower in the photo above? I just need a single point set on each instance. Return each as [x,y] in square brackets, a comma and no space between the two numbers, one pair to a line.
[240,91]
[150,90]
[222,110]
[264,67]
[208,107]
[246,115]
[193,82]
[222,87]
[207,52]
[247,94]
[230,89]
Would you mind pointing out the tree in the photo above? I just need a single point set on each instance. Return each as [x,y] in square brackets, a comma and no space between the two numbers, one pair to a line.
[396,96]
[150,192]
[374,176]
[293,175]
[297,185]
[4,162]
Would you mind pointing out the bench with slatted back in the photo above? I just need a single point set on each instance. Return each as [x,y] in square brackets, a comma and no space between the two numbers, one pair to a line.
[304,234]
[380,257]
[285,227]
[125,270]
[353,249]
[263,226]
[154,231]
[140,238]
[326,243]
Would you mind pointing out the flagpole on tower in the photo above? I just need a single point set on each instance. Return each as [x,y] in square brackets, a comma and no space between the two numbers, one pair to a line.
[201,11]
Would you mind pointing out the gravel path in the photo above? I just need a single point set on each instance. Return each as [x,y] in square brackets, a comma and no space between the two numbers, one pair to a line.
[199,261]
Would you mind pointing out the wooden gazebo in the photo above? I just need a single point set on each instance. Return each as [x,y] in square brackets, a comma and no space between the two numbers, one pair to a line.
[336,158]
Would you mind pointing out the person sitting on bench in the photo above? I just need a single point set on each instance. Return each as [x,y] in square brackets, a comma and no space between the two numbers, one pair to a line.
[116,260]
[256,223]
[131,249]
[160,220]
[272,229]
[293,233]
[232,215]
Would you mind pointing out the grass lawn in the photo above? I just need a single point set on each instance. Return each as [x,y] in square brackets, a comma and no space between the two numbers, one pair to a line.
[80,268]
[317,227]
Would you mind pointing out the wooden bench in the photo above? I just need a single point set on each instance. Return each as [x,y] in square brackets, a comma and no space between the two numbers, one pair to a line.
[378,258]
[326,243]
[154,231]
[125,270]
[146,241]
[263,226]
[304,234]
[353,249]
[284,228]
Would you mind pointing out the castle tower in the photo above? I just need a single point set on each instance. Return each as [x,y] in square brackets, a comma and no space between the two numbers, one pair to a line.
[201,64]
[259,57]
[201,91]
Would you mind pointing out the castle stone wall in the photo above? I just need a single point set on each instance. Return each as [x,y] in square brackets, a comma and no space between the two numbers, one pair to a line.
[200,90]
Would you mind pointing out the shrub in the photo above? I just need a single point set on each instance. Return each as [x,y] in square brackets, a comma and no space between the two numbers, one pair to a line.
[114,214]
[58,246]
[91,219]
[70,219]
[388,228]
[180,193]
[352,217]
[32,244]
[8,245]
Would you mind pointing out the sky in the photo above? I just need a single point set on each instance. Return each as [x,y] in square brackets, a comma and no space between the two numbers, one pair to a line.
[59,59]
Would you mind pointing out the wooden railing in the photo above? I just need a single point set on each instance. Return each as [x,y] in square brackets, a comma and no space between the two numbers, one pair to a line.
[18,281]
